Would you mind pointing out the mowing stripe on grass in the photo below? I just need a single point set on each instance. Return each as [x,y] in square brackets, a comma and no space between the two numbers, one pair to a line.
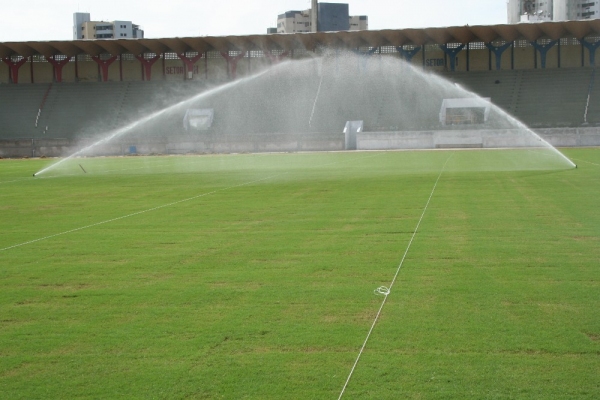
[385,291]
[136,213]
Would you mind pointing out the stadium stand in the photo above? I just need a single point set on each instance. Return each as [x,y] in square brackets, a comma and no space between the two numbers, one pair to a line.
[538,97]
[20,107]
[593,111]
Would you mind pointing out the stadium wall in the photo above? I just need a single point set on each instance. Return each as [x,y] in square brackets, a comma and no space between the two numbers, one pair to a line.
[485,138]
[207,144]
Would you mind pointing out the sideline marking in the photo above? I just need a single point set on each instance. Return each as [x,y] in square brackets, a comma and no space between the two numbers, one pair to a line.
[385,291]
[17,180]
[166,205]
[136,213]
[587,162]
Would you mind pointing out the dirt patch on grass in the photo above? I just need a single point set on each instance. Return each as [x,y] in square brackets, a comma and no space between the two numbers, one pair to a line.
[330,319]
[594,337]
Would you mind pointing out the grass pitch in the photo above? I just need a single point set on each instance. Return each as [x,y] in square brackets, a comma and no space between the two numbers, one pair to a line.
[252,276]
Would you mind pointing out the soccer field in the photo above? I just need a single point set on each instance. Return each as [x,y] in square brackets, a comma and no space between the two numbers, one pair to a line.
[252,276]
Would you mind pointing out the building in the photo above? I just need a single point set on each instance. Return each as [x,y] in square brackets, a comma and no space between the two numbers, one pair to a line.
[333,17]
[330,17]
[569,10]
[552,10]
[85,28]
[359,23]
[294,22]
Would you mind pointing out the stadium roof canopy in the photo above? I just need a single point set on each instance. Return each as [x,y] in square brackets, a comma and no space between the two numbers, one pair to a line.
[311,41]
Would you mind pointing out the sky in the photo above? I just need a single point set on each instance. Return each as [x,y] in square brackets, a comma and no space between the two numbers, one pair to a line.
[40,20]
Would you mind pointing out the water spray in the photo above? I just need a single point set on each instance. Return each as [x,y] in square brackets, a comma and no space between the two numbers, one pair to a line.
[127,128]
[338,92]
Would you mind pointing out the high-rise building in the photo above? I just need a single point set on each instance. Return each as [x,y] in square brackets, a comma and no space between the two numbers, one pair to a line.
[85,28]
[330,17]
[569,10]
[333,17]
[552,10]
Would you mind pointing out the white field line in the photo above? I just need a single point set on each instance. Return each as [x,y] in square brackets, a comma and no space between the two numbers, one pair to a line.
[385,291]
[136,213]
[587,162]
[16,180]
[162,206]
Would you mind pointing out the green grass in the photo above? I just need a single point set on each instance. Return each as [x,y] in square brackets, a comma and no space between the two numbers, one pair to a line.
[252,276]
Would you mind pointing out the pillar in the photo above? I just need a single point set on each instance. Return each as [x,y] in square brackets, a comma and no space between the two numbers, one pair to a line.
[58,66]
[189,62]
[591,49]
[232,62]
[147,65]
[452,53]
[498,51]
[543,49]
[14,68]
[104,64]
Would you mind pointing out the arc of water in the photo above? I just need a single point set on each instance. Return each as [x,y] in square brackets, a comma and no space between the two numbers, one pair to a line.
[312,113]
[125,129]
[521,125]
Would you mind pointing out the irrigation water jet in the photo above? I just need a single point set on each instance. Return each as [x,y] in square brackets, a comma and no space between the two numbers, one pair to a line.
[315,97]
[127,128]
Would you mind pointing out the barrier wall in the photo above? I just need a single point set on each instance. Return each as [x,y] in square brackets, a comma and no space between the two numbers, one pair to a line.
[4,73]
[551,58]
[570,55]
[191,144]
[207,143]
[87,71]
[131,70]
[524,57]
[42,72]
[479,60]
[499,138]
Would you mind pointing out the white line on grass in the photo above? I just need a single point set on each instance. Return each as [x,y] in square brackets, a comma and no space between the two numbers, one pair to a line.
[587,162]
[16,180]
[156,208]
[385,291]
[135,213]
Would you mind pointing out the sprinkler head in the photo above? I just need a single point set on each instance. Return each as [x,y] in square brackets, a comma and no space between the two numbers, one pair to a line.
[34,175]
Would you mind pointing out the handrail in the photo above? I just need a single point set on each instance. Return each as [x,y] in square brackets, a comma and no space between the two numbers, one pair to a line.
[587,104]
[37,118]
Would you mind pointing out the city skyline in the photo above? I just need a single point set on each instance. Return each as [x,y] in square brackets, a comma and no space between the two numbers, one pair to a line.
[40,21]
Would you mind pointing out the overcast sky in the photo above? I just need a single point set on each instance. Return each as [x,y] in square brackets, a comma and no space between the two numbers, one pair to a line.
[53,19]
